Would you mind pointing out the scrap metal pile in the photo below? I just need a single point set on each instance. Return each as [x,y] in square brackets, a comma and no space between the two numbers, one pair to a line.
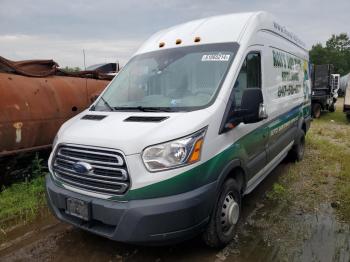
[37,97]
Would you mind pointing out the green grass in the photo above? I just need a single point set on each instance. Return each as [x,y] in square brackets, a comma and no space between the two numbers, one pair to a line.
[341,192]
[338,157]
[324,174]
[22,201]
[339,117]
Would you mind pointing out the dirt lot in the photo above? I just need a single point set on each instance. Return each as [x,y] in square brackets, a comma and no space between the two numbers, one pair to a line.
[301,212]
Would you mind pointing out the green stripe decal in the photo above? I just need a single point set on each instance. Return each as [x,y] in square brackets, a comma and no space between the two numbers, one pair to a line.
[208,171]
[184,182]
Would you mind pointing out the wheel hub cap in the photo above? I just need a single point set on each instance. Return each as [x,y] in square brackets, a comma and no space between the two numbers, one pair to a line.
[229,213]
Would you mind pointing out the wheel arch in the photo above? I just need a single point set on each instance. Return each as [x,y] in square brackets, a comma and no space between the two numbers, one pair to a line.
[303,127]
[236,170]
[302,124]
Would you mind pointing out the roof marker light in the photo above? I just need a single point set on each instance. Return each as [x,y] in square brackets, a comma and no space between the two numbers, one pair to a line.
[161,44]
[197,39]
[178,41]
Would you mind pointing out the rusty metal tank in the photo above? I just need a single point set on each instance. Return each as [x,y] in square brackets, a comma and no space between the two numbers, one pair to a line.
[33,107]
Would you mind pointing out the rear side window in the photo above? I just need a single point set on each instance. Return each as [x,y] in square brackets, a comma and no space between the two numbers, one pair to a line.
[249,76]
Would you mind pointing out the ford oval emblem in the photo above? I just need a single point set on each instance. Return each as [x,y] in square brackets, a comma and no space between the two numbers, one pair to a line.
[82,167]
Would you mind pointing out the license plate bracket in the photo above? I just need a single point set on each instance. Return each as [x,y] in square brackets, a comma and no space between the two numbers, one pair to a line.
[78,208]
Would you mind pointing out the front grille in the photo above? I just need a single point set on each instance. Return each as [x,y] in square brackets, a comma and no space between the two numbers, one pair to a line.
[109,173]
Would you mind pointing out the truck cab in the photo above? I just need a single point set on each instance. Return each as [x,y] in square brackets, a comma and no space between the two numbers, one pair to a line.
[197,118]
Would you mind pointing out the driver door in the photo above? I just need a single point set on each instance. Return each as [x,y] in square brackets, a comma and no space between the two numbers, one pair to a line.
[255,141]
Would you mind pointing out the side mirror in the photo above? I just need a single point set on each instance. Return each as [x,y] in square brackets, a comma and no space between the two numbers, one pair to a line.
[252,109]
[253,106]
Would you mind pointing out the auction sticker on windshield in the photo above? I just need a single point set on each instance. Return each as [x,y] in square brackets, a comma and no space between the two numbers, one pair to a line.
[216,57]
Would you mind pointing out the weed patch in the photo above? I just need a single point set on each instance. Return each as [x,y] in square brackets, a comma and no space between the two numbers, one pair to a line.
[20,202]
[278,193]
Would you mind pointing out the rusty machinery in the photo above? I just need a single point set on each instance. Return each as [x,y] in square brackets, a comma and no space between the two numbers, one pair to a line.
[36,98]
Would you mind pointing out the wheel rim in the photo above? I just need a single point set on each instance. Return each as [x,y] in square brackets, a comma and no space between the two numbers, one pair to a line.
[229,213]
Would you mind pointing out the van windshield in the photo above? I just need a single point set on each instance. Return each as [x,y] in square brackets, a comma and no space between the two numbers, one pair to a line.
[176,79]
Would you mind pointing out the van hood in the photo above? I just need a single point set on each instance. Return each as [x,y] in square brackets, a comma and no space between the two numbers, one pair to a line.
[113,130]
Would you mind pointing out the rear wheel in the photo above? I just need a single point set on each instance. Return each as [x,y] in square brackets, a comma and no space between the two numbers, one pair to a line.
[222,226]
[298,149]
[316,110]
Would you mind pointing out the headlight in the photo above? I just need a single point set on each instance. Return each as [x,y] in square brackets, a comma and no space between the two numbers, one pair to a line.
[176,153]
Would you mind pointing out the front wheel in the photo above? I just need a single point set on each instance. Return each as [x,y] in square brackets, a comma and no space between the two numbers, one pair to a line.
[222,226]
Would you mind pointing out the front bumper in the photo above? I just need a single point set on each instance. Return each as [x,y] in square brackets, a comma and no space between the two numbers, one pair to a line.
[157,221]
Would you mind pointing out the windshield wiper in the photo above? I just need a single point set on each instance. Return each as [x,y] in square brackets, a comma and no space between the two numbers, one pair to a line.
[145,109]
[156,109]
[106,104]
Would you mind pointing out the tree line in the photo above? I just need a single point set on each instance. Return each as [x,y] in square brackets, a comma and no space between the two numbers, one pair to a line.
[336,52]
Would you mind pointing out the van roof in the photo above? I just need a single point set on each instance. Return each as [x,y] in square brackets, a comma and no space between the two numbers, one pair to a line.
[218,29]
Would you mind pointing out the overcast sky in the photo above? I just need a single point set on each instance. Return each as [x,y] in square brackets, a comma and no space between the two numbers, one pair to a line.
[113,30]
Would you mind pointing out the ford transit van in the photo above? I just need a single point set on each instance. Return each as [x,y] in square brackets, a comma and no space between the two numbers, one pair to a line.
[197,118]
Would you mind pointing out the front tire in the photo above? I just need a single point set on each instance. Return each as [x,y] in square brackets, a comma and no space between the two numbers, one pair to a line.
[222,225]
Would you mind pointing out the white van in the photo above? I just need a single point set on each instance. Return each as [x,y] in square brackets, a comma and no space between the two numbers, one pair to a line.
[197,118]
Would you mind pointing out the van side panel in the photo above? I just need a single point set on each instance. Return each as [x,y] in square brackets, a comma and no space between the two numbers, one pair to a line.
[286,90]
[284,84]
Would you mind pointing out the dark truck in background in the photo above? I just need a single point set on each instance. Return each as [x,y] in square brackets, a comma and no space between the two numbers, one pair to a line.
[324,89]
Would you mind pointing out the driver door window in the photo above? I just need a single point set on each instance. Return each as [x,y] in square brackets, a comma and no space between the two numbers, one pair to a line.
[248,77]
